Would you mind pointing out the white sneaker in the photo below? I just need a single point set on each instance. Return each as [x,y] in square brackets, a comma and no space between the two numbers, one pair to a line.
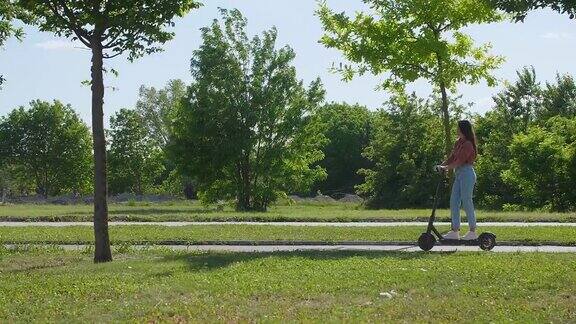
[470,236]
[452,235]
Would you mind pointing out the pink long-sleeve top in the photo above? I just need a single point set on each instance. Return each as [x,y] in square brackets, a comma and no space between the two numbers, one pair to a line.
[462,153]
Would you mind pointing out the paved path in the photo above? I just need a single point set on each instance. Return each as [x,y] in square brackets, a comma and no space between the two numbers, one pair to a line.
[333,224]
[383,248]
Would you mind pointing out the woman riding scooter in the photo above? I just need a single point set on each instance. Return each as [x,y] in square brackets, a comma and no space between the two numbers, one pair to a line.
[462,160]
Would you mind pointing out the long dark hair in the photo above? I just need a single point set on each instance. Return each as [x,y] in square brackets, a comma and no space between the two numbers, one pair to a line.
[466,129]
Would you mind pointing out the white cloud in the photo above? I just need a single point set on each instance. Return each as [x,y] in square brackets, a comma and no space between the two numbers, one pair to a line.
[559,36]
[58,45]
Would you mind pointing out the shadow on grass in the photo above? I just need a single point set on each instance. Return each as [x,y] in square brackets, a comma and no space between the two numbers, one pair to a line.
[211,261]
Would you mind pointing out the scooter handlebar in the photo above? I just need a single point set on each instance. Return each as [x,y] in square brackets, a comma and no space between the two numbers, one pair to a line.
[439,169]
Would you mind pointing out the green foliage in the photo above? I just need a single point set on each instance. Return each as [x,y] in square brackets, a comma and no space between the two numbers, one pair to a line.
[244,130]
[520,8]
[518,107]
[413,39]
[515,109]
[156,108]
[406,39]
[404,149]
[135,162]
[50,144]
[543,165]
[559,99]
[135,27]
[348,129]
[8,13]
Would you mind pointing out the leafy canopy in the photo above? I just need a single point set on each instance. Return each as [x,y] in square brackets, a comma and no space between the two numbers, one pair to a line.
[542,167]
[244,131]
[520,8]
[407,39]
[8,13]
[348,129]
[132,26]
[50,144]
[402,149]
[134,159]
[156,108]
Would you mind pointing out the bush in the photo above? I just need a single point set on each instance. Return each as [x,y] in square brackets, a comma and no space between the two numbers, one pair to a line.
[542,165]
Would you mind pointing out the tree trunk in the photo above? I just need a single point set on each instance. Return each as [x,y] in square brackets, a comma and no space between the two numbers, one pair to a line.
[446,120]
[102,251]
[243,171]
[445,112]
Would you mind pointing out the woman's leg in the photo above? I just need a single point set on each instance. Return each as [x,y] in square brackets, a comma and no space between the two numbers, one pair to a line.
[467,190]
[455,201]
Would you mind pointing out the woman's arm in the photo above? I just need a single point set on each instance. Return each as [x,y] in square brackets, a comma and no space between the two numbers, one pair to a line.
[461,156]
[451,157]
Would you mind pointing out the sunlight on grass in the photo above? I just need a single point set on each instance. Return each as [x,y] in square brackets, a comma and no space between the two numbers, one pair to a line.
[296,286]
[194,234]
[194,211]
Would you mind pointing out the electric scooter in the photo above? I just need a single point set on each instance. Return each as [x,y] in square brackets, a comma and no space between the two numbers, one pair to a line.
[486,241]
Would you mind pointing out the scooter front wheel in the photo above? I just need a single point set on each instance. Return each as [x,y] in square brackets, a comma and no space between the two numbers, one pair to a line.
[487,241]
[426,241]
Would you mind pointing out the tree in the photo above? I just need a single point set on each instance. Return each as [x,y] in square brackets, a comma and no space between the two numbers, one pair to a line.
[347,128]
[542,165]
[520,8]
[8,12]
[514,111]
[413,39]
[519,106]
[108,28]
[244,130]
[156,108]
[135,160]
[50,144]
[402,150]
[558,99]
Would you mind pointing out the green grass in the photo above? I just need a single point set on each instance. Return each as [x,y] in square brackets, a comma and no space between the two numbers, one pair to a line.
[163,286]
[148,234]
[193,211]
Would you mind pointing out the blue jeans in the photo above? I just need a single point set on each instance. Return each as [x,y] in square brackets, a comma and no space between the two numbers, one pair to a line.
[461,196]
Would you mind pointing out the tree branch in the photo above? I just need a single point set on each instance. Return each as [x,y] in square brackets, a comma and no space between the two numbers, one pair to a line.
[444,28]
[106,56]
[78,31]
[420,68]
[112,42]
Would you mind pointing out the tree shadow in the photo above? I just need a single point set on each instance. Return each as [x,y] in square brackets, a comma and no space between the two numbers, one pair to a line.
[211,261]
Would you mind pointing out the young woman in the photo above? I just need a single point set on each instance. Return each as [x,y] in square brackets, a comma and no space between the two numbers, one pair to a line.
[462,160]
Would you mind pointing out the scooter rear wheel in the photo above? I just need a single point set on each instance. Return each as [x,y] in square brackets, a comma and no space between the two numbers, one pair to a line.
[426,241]
[487,241]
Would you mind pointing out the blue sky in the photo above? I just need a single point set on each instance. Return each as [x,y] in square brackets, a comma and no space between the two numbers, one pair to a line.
[45,67]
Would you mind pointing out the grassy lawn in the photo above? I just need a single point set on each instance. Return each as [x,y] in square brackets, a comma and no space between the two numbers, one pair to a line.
[163,286]
[193,211]
[147,234]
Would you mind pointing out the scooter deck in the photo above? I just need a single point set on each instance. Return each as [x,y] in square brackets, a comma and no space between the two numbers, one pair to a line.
[458,242]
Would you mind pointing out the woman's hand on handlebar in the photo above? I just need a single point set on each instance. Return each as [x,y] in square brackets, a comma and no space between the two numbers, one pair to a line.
[441,168]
